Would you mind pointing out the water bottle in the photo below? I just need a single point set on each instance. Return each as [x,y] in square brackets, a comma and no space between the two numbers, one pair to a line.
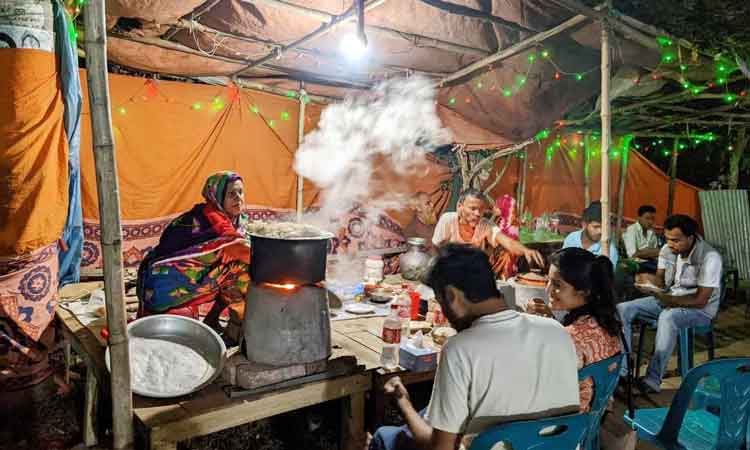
[404,315]
[391,338]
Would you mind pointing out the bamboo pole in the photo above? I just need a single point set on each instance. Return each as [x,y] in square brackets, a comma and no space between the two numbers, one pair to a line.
[672,176]
[606,128]
[522,183]
[109,213]
[300,138]
[586,171]
[621,189]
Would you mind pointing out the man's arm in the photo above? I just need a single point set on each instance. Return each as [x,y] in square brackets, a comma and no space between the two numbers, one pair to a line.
[517,248]
[440,235]
[697,300]
[443,440]
[420,429]
[628,238]
[655,279]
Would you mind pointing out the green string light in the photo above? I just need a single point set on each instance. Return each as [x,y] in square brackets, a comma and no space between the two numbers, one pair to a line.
[122,110]
[196,106]
[531,58]
[254,108]
[544,134]
[284,115]
[452,101]
[272,123]
[217,104]
[545,53]
[291,94]
[664,41]
[507,92]
[729,98]
[579,76]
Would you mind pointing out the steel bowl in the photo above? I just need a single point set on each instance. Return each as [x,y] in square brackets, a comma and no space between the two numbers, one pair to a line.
[185,331]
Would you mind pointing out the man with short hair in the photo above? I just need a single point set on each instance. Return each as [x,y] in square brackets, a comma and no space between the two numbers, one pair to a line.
[685,293]
[590,235]
[501,366]
[468,226]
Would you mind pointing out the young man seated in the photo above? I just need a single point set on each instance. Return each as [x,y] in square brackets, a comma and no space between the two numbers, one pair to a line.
[686,293]
[641,241]
[501,366]
[589,237]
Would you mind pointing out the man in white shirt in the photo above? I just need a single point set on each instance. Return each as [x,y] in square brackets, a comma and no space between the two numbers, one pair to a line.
[686,293]
[468,226]
[501,366]
[641,241]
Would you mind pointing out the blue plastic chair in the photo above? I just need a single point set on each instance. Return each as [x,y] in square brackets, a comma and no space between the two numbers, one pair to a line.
[571,430]
[606,375]
[678,427]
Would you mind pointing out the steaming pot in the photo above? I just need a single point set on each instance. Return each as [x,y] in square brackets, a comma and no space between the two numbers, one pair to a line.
[289,260]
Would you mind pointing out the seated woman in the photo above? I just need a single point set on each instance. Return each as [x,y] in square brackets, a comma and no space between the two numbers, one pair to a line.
[581,284]
[504,263]
[203,256]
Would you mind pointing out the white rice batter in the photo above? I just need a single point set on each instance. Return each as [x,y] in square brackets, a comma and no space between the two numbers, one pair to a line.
[164,367]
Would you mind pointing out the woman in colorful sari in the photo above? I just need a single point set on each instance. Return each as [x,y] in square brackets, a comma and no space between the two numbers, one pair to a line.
[203,256]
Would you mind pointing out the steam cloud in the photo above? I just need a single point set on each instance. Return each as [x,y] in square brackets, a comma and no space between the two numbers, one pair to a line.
[395,126]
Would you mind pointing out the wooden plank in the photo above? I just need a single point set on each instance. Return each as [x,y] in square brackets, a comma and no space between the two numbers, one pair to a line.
[355,325]
[369,340]
[90,410]
[83,341]
[348,346]
[214,412]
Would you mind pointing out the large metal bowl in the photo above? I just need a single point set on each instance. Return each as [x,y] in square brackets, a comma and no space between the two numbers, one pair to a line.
[185,331]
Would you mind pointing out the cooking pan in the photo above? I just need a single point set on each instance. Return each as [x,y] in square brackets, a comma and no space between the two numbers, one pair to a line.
[299,260]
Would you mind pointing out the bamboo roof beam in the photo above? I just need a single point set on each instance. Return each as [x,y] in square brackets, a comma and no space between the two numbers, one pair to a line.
[324,29]
[417,39]
[197,26]
[514,49]
[292,73]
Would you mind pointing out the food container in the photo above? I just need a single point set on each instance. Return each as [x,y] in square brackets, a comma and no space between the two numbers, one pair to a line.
[300,260]
[415,261]
[185,331]
[524,291]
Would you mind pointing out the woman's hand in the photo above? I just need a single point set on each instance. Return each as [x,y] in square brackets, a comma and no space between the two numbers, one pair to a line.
[533,256]
[537,307]
[235,252]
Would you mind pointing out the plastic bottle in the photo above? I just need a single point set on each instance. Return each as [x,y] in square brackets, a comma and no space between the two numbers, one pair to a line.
[391,338]
[404,314]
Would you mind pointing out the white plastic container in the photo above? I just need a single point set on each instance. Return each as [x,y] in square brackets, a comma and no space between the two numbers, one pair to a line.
[374,267]
[523,293]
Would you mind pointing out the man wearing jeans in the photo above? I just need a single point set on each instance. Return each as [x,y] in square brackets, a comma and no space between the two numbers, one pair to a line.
[684,293]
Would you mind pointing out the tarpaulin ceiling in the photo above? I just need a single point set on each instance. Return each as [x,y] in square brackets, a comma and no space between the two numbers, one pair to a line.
[404,36]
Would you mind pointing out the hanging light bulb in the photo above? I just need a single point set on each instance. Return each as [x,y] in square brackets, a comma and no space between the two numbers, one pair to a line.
[354,45]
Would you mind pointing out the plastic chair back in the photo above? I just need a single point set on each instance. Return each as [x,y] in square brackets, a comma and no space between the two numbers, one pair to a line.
[734,376]
[605,374]
[569,432]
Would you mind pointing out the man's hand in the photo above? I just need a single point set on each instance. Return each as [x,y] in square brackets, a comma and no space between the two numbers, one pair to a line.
[533,256]
[395,387]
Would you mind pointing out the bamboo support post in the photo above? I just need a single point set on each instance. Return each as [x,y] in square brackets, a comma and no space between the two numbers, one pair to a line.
[524,166]
[673,177]
[587,171]
[606,128]
[109,213]
[300,138]
[621,189]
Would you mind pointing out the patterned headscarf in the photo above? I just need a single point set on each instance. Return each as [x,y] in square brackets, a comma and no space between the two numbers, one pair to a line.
[216,187]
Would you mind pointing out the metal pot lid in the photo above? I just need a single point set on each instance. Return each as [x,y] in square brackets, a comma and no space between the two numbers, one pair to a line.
[322,236]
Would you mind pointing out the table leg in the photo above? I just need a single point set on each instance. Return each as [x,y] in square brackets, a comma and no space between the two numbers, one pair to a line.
[353,422]
[378,409]
[90,408]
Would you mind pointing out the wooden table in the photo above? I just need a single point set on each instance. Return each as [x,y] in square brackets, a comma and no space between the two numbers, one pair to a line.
[163,423]
[364,335]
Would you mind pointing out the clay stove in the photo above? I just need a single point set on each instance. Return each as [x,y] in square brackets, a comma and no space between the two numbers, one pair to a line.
[286,333]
